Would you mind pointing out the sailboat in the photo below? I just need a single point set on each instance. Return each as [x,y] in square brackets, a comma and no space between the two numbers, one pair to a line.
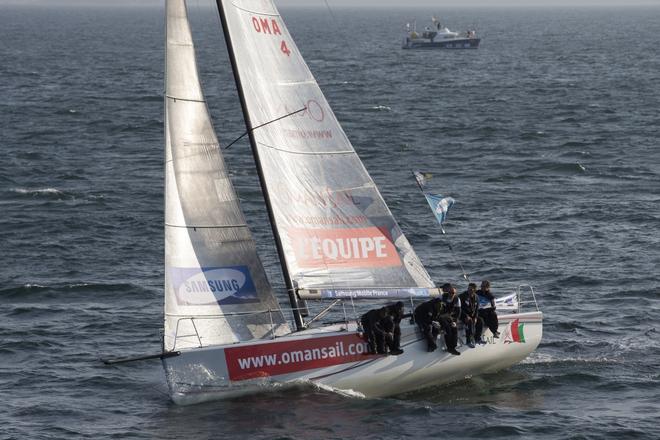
[225,333]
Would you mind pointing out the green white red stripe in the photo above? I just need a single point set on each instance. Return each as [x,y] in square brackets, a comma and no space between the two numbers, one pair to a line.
[517,331]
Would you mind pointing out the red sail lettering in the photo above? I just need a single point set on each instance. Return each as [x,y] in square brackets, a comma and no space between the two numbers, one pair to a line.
[255,23]
[264,25]
[267,27]
[284,48]
[276,28]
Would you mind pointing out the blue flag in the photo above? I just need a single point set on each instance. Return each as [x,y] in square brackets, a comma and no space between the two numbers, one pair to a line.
[439,205]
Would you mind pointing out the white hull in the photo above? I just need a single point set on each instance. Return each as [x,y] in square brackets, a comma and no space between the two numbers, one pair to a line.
[332,357]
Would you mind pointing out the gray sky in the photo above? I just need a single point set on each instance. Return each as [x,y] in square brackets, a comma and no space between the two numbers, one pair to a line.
[433,4]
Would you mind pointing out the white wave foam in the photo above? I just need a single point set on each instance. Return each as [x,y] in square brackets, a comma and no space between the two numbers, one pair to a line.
[543,358]
[342,392]
[37,191]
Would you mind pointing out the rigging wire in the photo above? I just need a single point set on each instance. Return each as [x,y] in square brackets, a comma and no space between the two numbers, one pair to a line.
[451,248]
[335,22]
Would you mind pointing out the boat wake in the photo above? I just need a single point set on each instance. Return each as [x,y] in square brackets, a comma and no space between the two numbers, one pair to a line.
[345,393]
[548,359]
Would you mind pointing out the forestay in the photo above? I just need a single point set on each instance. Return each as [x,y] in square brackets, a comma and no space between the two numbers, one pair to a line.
[338,237]
[214,280]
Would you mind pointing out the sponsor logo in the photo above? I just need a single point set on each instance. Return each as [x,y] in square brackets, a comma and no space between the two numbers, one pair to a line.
[349,247]
[316,198]
[375,293]
[313,110]
[324,220]
[266,26]
[211,285]
[277,358]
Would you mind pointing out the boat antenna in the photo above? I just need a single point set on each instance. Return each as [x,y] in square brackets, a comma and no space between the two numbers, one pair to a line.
[451,248]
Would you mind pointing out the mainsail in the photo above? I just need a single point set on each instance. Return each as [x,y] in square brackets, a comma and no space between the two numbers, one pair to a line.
[216,290]
[335,233]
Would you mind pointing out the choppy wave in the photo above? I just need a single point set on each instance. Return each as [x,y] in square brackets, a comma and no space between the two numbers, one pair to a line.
[29,290]
[45,192]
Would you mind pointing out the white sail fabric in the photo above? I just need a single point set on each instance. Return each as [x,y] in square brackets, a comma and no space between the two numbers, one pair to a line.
[214,280]
[338,236]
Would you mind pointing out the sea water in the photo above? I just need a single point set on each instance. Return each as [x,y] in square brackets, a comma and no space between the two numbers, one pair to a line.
[546,136]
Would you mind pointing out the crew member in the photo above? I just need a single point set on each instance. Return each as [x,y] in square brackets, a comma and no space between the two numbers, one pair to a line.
[432,316]
[372,325]
[449,319]
[391,325]
[487,308]
[427,316]
[472,322]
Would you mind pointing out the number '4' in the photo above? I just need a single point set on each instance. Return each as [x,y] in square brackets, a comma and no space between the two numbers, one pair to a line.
[284,48]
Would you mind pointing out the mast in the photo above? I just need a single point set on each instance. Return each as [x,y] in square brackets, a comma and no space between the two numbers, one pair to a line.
[293,299]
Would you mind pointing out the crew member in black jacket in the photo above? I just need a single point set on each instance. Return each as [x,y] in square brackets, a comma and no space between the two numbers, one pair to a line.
[391,325]
[431,316]
[472,322]
[487,308]
[372,325]
[449,320]
[427,317]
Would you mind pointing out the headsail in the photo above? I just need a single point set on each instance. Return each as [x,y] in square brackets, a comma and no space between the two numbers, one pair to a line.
[214,279]
[337,236]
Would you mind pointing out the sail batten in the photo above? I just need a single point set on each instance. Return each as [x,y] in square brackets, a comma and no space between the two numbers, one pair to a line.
[333,228]
[205,226]
[318,153]
[178,98]
[244,9]
[215,285]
